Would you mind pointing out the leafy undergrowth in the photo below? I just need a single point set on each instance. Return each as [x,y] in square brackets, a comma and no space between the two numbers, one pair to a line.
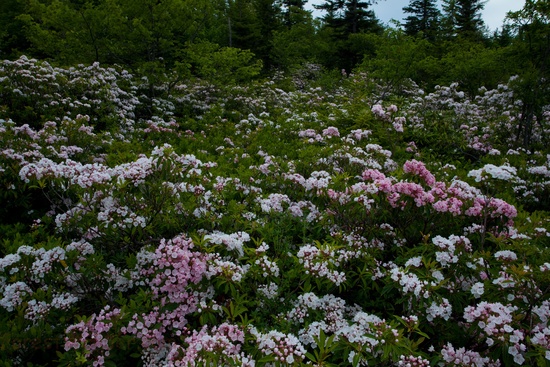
[203,225]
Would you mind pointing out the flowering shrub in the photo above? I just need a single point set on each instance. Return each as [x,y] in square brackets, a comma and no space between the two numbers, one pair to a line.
[258,226]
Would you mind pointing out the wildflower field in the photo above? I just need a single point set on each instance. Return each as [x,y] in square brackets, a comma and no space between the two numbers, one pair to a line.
[291,221]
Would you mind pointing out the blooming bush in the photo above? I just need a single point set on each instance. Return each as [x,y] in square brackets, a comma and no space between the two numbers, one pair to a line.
[256,226]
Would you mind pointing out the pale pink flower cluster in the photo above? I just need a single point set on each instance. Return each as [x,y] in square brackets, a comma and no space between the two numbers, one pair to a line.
[311,135]
[443,310]
[331,131]
[285,348]
[267,267]
[274,203]
[42,264]
[505,255]
[359,134]
[449,255]
[221,345]
[387,114]
[173,267]
[91,336]
[269,291]
[280,202]
[412,361]
[226,269]
[369,331]
[14,295]
[465,358]
[495,321]
[410,283]
[477,289]
[321,263]
[540,336]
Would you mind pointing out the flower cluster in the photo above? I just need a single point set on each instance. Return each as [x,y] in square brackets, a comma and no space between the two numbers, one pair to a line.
[91,336]
[495,321]
[220,345]
[320,262]
[284,348]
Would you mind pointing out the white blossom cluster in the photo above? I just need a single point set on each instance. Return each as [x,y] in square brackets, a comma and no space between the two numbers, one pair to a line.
[321,263]
[285,348]
[505,173]
[233,241]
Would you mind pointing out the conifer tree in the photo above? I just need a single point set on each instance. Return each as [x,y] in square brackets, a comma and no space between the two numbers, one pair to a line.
[469,16]
[464,17]
[268,15]
[244,31]
[292,11]
[347,17]
[424,18]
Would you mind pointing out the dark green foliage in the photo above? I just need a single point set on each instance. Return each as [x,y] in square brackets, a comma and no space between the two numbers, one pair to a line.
[530,55]
[12,37]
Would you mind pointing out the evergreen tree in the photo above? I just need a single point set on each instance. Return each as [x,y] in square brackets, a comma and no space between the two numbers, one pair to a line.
[448,21]
[464,17]
[268,17]
[347,17]
[468,18]
[424,18]
[293,11]
[346,21]
[243,27]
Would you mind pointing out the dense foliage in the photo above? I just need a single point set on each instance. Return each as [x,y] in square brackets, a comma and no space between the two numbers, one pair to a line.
[284,222]
[233,183]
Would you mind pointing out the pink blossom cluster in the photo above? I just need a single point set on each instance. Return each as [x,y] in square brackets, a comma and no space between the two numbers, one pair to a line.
[174,266]
[311,135]
[92,336]
[387,114]
[331,131]
[465,358]
[412,361]
[458,198]
[154,327]
[218,346]
[419,169]
[495,320]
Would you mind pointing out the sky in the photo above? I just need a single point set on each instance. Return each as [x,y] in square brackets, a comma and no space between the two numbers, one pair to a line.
[493,14]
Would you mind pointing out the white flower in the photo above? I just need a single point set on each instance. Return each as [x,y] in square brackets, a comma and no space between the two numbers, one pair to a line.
[477,289]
